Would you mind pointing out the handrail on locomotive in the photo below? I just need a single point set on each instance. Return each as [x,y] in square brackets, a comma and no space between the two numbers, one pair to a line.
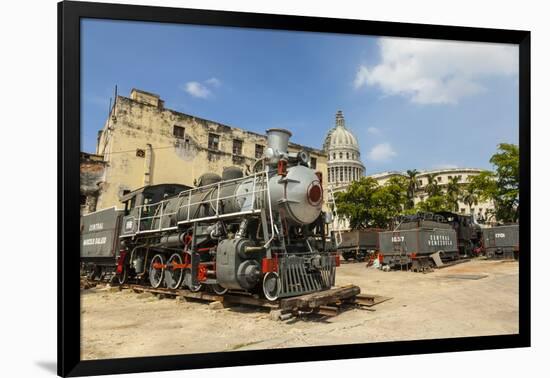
[262,176]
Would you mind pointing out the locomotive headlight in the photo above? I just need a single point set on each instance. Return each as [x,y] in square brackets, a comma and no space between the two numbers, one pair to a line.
[315,193]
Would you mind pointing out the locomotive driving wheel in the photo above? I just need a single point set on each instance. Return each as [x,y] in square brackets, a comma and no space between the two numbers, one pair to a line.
[156,271]
[188,281]
[272,286]
[218,289]
[173,277]
[122,277]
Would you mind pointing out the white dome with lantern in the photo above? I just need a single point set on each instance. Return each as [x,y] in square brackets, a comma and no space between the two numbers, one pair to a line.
[344,157]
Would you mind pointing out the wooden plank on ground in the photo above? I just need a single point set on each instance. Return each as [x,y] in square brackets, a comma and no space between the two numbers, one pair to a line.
[369,300]
[320,298]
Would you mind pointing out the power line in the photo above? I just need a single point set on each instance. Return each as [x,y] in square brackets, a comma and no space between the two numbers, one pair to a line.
[153,148]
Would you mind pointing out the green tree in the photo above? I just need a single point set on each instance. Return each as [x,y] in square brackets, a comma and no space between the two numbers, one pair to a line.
[356,202]
[412,186]
[502,186]
[367,204]
[432,187]
[470,196]
[453,193]
[433,204]
[484,184]
[506,162]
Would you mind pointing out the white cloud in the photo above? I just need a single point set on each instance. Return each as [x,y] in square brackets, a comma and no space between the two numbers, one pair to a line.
[436,72]
[213,81]
[374,131]
[381,152]
[202,90]
[197,89]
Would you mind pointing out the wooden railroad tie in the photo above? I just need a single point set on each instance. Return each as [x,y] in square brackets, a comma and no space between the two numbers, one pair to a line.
[328,302]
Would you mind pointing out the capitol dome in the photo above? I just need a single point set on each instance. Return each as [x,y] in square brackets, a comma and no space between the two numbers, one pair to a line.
[339,136]
[344,157]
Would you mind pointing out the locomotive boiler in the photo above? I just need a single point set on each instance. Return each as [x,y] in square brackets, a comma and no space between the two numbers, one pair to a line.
[263,232]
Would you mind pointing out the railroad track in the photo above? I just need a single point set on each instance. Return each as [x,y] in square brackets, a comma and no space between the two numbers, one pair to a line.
[327,303]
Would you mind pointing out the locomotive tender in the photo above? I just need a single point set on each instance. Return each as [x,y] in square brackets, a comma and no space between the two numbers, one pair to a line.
[264,232]
[357,244]
[402,247]
[416,237]
[501,242]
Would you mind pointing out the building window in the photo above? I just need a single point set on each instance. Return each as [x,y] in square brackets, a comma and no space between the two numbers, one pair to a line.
[334,156]
[313,163]
[462,210]
[82,200]
[419,182]
[179,132]
[237,147]
[341,155]
[341,174]
[439,178]
[347,155]
[259,151]
[449,178]
[140,153]
[213,141]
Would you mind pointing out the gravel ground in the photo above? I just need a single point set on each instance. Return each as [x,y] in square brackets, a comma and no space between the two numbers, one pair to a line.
[440,304]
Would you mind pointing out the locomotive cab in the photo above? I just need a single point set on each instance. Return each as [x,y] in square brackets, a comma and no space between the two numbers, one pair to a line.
[142,202]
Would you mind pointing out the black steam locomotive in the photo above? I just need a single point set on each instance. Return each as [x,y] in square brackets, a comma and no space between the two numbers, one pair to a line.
[264,232]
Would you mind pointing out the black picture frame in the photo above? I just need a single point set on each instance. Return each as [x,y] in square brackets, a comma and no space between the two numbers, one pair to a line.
[69,15]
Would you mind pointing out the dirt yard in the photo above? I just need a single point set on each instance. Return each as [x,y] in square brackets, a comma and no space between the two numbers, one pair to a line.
[445,303]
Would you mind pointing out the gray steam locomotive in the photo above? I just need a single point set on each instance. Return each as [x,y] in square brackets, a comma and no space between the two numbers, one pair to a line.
[264,232]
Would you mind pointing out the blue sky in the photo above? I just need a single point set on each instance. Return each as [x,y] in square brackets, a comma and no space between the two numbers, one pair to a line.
[411,104]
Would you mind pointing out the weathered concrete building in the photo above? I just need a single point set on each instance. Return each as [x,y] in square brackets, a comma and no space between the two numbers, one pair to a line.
[143,143]
[92,172]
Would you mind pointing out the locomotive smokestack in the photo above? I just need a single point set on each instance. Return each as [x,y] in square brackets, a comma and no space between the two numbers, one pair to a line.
[277,144]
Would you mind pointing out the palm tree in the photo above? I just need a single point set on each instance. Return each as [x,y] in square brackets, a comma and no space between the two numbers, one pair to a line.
[412,186]
[470,197]
[432,187]
[454,192]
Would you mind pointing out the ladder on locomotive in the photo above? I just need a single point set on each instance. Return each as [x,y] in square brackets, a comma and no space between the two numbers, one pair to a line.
[401,247]
[335,220]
